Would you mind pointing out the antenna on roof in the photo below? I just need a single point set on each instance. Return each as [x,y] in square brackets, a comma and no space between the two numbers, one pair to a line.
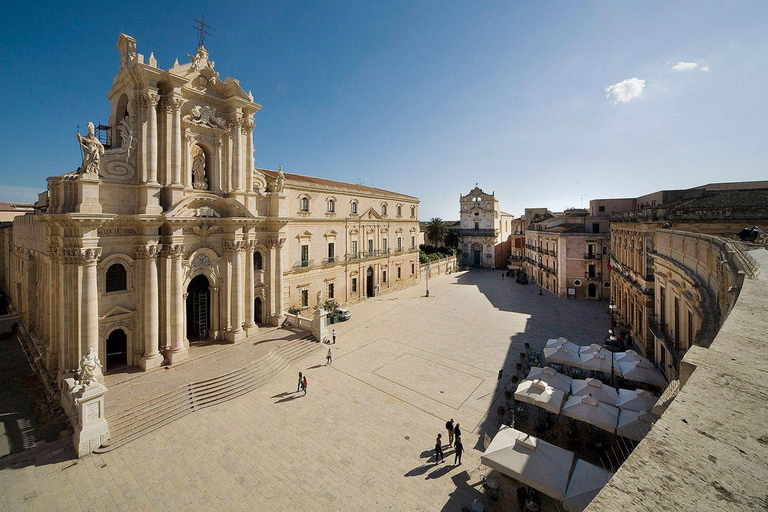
[201,30]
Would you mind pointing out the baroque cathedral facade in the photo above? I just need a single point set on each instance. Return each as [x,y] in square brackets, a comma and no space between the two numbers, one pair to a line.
[168,234]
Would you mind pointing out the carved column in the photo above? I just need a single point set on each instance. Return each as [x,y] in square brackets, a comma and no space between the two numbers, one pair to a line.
[234,252]
[148,255]
[249,298]
[176,104]
[276,277]
[237,157]
[90,300]
[152,100]
[179,350]
[248,166]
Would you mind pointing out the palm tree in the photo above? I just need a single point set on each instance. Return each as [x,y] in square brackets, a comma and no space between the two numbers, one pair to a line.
[452,238]
[435,230]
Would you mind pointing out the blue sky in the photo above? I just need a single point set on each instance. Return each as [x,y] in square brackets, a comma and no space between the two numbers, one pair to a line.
[545,103]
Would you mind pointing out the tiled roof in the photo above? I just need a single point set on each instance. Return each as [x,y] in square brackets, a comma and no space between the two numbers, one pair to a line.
[757,198]
[299,180]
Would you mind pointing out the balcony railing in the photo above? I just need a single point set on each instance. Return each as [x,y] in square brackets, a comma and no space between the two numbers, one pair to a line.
[303,265]
[477,232]
[592,256]
[592,276]
[661,331]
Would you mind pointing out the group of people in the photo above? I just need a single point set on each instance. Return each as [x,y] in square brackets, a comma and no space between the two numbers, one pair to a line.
[454,440]
[302,383]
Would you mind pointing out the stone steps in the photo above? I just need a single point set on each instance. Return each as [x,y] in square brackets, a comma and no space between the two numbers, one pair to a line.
[143,418]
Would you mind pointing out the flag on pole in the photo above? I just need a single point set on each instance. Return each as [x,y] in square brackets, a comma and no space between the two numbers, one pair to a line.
[614,263]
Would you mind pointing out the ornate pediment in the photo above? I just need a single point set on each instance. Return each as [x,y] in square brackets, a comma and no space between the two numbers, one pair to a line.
[371,214]
[205,115]
[209,206]
[117,312]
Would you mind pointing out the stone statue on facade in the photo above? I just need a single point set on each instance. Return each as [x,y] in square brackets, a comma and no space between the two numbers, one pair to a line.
[319,299]
[280,180]
[200,182]
[89,367]
[93,150]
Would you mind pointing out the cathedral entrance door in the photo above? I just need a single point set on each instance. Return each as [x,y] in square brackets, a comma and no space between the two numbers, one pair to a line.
[117,349]
[369,282]
[478,257]
[257,310]
[198,309]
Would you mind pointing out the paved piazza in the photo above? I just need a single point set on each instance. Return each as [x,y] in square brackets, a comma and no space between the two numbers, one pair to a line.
[361,439]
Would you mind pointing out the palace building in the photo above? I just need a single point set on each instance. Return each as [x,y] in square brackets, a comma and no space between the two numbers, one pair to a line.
[168,234]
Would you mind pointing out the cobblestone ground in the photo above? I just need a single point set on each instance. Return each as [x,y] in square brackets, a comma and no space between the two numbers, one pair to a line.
[362,437]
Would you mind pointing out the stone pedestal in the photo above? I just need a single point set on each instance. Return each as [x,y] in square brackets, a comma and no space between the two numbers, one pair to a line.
[85,408]
[88,194]
[149,199]
[319,325]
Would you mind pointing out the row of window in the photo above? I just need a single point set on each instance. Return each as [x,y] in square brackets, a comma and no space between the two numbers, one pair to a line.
[352,249]
[331,205]
[331,289]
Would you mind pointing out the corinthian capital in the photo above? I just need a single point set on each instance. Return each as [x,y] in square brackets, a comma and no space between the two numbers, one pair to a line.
[233,246]
[146,251]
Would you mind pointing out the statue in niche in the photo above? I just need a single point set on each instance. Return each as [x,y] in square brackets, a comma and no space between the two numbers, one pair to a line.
[93,150]
[89,367]
[199,181]
[280,180]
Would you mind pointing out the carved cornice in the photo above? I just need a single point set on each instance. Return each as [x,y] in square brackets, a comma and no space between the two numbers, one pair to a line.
[147,251]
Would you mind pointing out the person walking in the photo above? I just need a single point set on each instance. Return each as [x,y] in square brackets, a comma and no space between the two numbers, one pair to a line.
[456,432]
[334,336]
[328,358]
[304,385]
[298,388]
[449,428]
[439,449]
[459,450]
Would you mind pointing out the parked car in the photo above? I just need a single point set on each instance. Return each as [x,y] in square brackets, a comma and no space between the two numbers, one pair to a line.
[342,314]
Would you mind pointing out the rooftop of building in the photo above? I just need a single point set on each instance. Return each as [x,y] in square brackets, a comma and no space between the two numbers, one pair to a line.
[299,180]
[709,450]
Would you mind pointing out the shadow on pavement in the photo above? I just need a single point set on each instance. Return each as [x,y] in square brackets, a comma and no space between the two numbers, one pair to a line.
[289,398]
[442,470]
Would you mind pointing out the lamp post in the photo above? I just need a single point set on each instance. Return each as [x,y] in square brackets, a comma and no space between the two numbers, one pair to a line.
[428,267]
[610,341]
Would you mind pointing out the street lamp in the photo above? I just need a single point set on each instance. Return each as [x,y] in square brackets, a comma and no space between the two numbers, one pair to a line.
[610,340]
[428,267]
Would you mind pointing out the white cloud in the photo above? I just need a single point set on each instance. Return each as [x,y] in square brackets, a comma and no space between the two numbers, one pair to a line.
[624,91]
[688,66]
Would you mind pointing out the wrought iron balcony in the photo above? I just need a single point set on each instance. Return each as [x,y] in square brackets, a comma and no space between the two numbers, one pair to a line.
[592,276]
[593,256]
[477,232]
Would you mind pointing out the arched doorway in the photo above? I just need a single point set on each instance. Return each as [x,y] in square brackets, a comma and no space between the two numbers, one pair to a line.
[257,310]
[198,309]
[369,282]
[117,349]
[592,290]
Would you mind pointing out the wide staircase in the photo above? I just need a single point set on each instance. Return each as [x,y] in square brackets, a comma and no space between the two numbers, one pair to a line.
[143,418]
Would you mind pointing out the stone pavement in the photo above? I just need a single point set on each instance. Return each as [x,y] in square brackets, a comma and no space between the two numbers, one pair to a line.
[361,439]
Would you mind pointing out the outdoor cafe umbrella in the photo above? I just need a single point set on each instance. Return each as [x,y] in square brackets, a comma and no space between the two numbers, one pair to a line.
[586,481]
[552,377]
[595,388]
[638,400]
[529,460]
[596,358]
[640,371]
[634,425]
[592,411]
[562,353]
[629,355]
[538,392]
